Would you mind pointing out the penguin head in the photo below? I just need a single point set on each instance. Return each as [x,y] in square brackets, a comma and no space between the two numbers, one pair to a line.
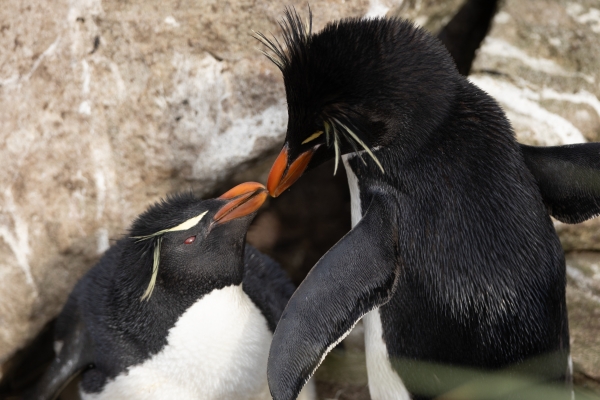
[356,86]
[184,246]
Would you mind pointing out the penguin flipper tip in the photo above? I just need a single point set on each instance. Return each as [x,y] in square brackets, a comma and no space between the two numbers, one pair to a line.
[568,178]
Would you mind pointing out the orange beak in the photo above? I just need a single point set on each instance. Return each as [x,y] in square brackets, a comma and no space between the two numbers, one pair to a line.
[280,179]
[245,199]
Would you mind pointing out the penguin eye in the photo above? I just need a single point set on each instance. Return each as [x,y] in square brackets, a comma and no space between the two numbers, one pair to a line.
[190,240]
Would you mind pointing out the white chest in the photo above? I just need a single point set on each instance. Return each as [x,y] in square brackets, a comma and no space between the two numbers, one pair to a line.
[384,382]
[218,349]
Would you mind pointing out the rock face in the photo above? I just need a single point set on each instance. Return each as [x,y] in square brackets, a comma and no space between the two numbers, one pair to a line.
[105,106]
[583,298]
[540,61]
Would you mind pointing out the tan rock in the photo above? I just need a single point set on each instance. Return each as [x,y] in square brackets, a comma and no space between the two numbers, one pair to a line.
[540,61]
[430,14]
[577,237]
[583,301]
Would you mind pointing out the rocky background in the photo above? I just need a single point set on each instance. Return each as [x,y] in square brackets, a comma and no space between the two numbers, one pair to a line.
[108,105]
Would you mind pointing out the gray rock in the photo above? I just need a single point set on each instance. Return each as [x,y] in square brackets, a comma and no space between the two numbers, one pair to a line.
[430,14]
[540,61]
[577,237]
[583,299]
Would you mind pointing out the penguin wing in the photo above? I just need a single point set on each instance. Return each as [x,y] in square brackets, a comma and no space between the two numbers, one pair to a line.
[355,276]
[75,355]
[568,178]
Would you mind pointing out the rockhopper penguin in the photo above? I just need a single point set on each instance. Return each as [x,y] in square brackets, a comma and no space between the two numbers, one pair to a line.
[453,260]
[179,309]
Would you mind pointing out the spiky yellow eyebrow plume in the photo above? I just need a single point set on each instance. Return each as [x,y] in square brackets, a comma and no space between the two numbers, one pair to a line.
[312,137]
[327,130]
[181,227]
[363,145]
[155,263]
[156,256]
[336,146]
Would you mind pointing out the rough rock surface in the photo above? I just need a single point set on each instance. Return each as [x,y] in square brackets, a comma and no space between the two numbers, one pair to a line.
[540,61]
[584,236]
[105,106]
[583,297]
[430,14]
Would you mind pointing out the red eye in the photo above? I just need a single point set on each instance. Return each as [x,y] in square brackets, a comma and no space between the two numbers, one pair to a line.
[190,240]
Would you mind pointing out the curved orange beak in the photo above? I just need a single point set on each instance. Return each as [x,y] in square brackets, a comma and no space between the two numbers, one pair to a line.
[281,176]
[244,199]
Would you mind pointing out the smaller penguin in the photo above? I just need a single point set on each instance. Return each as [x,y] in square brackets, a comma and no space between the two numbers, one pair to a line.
[179,309]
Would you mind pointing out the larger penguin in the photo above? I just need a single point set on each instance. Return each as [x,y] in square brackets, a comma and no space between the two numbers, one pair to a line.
[180,309]
[453,259]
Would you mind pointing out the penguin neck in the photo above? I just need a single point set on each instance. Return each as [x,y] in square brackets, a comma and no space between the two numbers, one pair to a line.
[148,321]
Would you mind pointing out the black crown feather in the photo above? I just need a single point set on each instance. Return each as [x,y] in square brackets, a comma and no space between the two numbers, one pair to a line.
[296,38]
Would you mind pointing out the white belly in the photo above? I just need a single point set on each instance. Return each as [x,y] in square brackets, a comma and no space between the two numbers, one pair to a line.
[218,349]
[384,382]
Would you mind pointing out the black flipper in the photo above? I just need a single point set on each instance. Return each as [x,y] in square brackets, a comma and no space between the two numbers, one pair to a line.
[75,356]
[355,276]
[568,178]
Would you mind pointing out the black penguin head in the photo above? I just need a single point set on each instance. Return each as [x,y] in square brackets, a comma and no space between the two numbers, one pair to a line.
[357,85]
[192,246]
